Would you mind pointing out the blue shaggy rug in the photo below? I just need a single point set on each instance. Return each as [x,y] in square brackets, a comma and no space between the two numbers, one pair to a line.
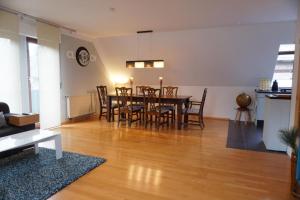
[26,176]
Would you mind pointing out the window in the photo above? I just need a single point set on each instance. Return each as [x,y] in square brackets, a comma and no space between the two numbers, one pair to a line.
[34,96]
[283,72]
[10,84]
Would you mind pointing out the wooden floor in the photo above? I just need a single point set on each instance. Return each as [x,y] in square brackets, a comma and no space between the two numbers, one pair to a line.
[172,164]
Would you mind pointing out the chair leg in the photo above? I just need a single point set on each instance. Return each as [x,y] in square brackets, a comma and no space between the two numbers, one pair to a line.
[146,120]
[199,121]
[185,120]
[113,114]
[129,119]
[201,126]
[167,120]
[173,116]
[202,121]
[100,115]
[119,118]
[157,122]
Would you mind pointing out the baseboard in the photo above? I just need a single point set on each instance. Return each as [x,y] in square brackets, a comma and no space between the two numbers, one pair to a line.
[217,118]
[94,116]
[80,119]
[211,117]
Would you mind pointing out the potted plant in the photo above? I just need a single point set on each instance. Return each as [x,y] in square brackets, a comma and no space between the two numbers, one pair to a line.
[289,137]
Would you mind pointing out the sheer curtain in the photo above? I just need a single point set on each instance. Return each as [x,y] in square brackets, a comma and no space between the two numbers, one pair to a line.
[10,84]
[49,75]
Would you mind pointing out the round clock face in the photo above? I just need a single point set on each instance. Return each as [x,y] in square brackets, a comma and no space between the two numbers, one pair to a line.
[82,56]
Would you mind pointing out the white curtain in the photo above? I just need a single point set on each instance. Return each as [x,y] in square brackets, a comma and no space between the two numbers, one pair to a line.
[10,84]
[49,75]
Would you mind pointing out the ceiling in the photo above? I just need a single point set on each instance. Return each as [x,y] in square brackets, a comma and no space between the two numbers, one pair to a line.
[99,18]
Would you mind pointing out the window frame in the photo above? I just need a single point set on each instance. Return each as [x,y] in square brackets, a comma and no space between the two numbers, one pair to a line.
[278,62]
[35,41]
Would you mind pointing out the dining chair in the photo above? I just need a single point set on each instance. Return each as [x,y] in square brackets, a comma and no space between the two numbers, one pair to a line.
[170,91]
[154,108]
[126,108]
[195,109]
[102,96]
[139,91]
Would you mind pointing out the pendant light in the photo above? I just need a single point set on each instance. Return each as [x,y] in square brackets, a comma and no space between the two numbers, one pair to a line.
[140,64]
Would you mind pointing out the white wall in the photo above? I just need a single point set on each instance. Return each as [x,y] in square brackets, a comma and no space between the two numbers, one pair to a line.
[228,60]
[77,80]
[24,75]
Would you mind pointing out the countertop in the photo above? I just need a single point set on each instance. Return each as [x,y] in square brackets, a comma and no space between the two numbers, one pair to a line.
[279,96]
[282,91]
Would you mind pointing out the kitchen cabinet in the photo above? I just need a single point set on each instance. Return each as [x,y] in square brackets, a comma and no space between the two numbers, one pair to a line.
[276,117]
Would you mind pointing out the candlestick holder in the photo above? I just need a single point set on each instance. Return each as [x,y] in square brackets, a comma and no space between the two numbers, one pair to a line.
[160,82]
[131,82]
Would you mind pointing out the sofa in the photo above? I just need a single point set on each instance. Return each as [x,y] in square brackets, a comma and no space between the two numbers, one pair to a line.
[10,129]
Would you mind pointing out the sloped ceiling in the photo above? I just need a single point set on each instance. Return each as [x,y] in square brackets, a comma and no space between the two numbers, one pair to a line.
[225,56]
[118,17]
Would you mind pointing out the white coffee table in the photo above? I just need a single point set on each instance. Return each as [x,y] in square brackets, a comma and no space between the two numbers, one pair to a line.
[33,137]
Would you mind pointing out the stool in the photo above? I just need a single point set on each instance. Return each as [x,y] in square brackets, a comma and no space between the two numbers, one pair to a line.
[240,111]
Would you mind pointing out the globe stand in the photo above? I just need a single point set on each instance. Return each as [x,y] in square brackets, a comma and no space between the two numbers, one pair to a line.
[243,101]
[240,111]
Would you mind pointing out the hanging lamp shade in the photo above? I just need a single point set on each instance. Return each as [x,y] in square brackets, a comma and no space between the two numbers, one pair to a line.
[140,64]
[159,64]
[145,64]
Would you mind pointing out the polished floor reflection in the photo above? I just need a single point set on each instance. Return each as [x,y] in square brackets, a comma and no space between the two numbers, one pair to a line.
[172,164]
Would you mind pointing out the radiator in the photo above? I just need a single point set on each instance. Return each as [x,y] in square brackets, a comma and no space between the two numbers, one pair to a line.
[80,105]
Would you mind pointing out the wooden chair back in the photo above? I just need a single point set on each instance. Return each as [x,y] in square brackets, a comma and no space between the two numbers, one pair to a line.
[199,104]
[152,99]
[203,101]
[170,91]
[124,98]
[102,94]
[140,88]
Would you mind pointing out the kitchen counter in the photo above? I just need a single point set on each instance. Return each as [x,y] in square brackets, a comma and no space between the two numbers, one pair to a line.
[281,91]
[276,117]
[260,99]
[279,96]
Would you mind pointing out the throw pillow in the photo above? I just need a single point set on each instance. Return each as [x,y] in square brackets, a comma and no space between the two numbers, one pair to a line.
[2,120]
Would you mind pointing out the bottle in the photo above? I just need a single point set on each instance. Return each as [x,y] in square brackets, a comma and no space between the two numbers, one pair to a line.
[275,86]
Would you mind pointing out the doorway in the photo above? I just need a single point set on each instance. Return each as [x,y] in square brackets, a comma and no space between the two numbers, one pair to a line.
[33,75]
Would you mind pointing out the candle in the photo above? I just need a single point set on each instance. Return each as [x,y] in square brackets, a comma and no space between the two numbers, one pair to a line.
[131,81]
[160,82]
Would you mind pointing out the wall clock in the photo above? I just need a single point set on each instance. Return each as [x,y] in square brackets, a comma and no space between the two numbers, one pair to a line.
[82,56]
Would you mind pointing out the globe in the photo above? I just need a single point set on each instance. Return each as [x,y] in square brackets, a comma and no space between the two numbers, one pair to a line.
[243,100]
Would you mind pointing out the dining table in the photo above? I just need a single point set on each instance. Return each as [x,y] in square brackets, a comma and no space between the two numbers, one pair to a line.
[181,102]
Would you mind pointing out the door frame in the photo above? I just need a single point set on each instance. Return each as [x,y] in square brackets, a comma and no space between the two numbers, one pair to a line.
[35,41]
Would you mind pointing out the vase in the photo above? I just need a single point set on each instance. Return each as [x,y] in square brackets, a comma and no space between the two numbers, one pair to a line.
[275,86]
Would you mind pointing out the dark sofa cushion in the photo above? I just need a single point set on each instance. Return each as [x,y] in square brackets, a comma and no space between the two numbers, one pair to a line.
[2,120]
[9,130]
[4,108]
